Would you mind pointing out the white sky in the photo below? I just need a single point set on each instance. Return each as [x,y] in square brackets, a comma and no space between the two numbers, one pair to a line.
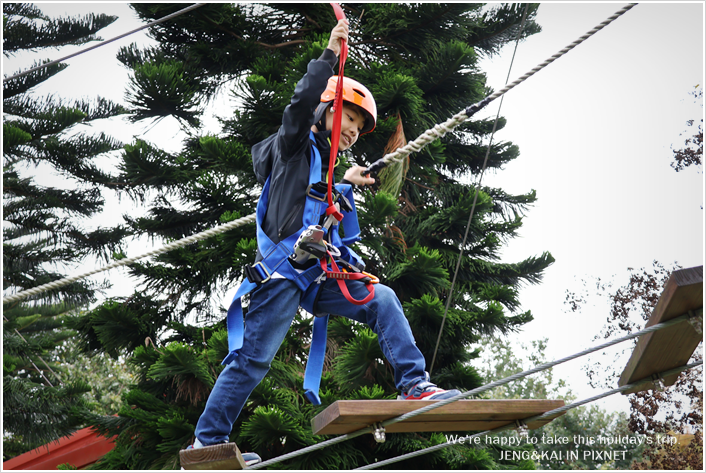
[594,130]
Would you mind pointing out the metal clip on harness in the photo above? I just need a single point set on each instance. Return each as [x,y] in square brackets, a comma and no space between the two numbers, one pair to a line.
[254,275]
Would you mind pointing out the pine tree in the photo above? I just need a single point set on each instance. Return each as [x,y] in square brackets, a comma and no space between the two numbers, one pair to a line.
[420,62]
[42,225]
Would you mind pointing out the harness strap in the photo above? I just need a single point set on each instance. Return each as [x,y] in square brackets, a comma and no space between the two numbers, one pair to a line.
[234,322]
[315,363]
[341,277]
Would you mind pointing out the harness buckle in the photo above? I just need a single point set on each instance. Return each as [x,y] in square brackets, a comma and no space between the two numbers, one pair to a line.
[320,193]
[254,276]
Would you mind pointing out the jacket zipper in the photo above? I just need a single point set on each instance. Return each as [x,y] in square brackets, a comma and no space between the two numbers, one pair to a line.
[290,219]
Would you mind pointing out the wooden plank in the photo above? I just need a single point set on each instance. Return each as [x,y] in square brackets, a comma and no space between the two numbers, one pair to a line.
[343,417]
[223,456]
[671,347]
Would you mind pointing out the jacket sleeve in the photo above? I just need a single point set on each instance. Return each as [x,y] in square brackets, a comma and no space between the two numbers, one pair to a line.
[298,117]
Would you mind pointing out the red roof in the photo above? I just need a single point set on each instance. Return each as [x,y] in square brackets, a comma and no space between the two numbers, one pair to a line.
[79,449]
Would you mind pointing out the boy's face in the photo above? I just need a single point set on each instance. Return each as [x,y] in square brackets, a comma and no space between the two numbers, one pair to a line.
[352,122]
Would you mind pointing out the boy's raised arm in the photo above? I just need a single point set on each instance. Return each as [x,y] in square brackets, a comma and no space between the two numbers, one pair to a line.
[298,117]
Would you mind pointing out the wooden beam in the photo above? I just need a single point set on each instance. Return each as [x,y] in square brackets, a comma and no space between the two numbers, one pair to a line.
[222,456]
[673,346]
[343,417]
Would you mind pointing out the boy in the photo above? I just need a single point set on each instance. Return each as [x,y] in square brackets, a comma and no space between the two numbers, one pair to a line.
[292,156]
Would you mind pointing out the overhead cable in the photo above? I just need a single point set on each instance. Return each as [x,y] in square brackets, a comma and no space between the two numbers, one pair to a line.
[103,43]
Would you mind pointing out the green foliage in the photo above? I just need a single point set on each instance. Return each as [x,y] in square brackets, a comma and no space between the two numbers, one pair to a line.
[399,93]
[163,87]
[423,272]
[44,398]
[107,377]
[360,363]
[34,413]
[116,327]
[66,466]
[181,363]
[500,360]
[21,31]
[267,425]
[13,136]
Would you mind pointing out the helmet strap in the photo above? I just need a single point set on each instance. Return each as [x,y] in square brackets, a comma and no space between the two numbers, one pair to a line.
[320,116]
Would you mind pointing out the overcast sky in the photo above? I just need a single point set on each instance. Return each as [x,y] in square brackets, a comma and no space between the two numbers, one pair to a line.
[594,130]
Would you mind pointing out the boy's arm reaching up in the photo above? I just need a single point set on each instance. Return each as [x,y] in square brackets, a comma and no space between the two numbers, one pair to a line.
[298,117]
[338,33]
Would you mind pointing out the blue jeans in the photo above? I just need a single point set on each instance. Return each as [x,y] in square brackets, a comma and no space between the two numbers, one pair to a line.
[272,309]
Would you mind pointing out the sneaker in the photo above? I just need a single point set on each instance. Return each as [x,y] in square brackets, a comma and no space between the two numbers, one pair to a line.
[427,391]
[251,458]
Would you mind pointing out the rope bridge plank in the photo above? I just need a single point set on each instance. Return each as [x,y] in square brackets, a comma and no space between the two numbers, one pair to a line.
[683,319]
[666,349]
[638,383]
[343,417]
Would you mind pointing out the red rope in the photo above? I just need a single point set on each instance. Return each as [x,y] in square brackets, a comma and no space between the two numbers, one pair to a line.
[336,273]
[341,279]
[337,115]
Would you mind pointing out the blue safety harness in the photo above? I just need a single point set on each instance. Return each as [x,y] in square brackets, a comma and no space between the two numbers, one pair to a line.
[276,259]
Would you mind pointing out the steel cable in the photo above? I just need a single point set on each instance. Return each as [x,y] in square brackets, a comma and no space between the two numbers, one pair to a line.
[475,199]
[103,43]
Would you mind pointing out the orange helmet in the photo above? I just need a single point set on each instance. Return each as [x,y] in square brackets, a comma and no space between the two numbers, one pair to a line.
[356,93]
